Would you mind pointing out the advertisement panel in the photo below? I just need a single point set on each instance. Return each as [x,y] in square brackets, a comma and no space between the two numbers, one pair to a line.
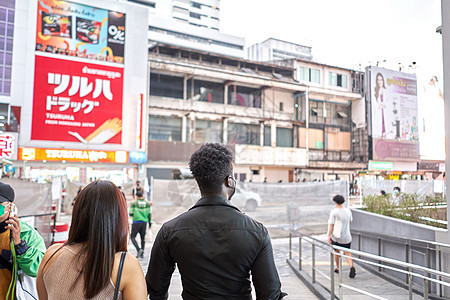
[394,115]
[77,102]
[431,119]
[73,29]
[80,75]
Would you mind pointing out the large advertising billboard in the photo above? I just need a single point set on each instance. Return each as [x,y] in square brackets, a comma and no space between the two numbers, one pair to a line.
[80,102]
[431,118]
[394,115]
[82,79]
[73,29]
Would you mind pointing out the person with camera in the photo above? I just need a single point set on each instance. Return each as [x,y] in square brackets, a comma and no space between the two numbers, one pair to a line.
[20,245]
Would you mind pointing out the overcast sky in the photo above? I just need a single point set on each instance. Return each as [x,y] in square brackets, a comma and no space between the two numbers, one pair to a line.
[345,33]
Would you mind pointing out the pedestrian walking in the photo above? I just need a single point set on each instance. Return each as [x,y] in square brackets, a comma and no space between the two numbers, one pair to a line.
[140,211]
[215,246]
[339,231]
[93,263]
[137,188]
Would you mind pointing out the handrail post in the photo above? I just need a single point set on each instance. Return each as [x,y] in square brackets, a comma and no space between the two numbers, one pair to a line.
[410,291]
[407,261]
[428,261]
[379,254]
[290,245]
[425,289]
[300,253]
[332,275]
[440,270]
[341,288]
[313,262]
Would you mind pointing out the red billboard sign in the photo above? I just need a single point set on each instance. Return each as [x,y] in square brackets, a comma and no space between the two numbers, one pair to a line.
[77,102]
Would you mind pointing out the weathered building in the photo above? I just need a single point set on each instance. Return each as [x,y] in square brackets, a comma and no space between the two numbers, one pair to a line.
[284,122]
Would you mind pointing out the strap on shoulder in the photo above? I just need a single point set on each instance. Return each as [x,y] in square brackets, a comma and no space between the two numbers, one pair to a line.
[119,275]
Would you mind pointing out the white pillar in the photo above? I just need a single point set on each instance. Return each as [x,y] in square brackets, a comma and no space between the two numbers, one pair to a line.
[446,59]
[225,131]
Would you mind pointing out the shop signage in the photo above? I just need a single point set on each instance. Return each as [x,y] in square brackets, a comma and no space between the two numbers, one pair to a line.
[77,102]
[8,145]
[380,165]
[138,157]
[69,155]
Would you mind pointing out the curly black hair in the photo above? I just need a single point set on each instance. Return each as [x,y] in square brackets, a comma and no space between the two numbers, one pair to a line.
[339,199]
[210,165]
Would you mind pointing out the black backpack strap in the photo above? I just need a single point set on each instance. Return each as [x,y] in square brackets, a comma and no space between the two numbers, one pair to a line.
[6,263]
[119,275]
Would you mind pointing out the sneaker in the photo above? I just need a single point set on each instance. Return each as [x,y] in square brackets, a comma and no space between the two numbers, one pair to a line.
[336,271]
[352,272]
[140,253]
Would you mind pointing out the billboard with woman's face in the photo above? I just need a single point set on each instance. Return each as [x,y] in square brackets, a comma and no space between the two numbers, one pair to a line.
[394,114]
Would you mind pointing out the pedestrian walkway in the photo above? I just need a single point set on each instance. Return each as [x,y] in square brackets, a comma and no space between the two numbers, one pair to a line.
[364,280]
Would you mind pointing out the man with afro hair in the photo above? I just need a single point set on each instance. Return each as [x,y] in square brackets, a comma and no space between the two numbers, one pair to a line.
[215,246]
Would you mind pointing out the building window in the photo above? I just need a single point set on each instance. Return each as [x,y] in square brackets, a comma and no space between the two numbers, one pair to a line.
[208,131]
[342,116]
[7,15]
[166,86]
[285,137]
[208,91]
[196,5]
[245,134]
[195,15]
[316,111]
[164,128]
[267,136]
[244,96]
[142,2]
[308,74]
[336,79]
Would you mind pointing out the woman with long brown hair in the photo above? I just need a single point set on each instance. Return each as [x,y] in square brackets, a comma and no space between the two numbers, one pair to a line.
[87,265]
[379,125]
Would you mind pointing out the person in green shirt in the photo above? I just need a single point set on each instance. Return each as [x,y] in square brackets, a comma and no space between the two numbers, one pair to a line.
[140,211]
[29,246]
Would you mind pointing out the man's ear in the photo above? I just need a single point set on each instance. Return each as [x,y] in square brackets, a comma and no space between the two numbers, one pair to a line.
[229,182]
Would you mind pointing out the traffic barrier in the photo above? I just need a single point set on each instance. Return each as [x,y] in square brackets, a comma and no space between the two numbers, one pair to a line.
[61,232]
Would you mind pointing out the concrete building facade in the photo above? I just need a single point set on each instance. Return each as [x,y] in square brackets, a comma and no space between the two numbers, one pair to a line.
[274,49]
[280,128]
[189,24]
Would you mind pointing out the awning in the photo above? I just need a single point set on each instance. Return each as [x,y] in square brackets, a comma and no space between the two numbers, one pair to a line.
[342,114]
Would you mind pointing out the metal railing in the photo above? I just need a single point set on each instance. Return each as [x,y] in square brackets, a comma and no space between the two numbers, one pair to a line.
[410,270]
[53,220]
[429,249]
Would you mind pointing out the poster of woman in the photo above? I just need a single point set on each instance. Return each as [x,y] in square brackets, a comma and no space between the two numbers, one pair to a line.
[393,105]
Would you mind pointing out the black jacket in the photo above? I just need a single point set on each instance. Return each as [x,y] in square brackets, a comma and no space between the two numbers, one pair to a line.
[216,248]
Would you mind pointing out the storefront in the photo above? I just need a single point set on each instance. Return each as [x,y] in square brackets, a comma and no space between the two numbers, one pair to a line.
[82,166]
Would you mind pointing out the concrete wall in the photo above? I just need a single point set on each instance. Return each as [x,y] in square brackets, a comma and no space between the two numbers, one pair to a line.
[396,239]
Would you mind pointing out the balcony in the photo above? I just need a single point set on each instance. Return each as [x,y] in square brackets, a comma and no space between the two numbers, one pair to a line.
[270,156]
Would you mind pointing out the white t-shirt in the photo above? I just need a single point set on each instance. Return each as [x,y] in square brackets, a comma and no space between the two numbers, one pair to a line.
[344,216]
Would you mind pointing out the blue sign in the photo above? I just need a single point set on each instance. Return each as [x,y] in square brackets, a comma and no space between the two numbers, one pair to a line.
[9,169]
[137,157]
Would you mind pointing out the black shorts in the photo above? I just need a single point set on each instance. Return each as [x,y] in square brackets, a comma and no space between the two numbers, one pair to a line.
[341,245]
